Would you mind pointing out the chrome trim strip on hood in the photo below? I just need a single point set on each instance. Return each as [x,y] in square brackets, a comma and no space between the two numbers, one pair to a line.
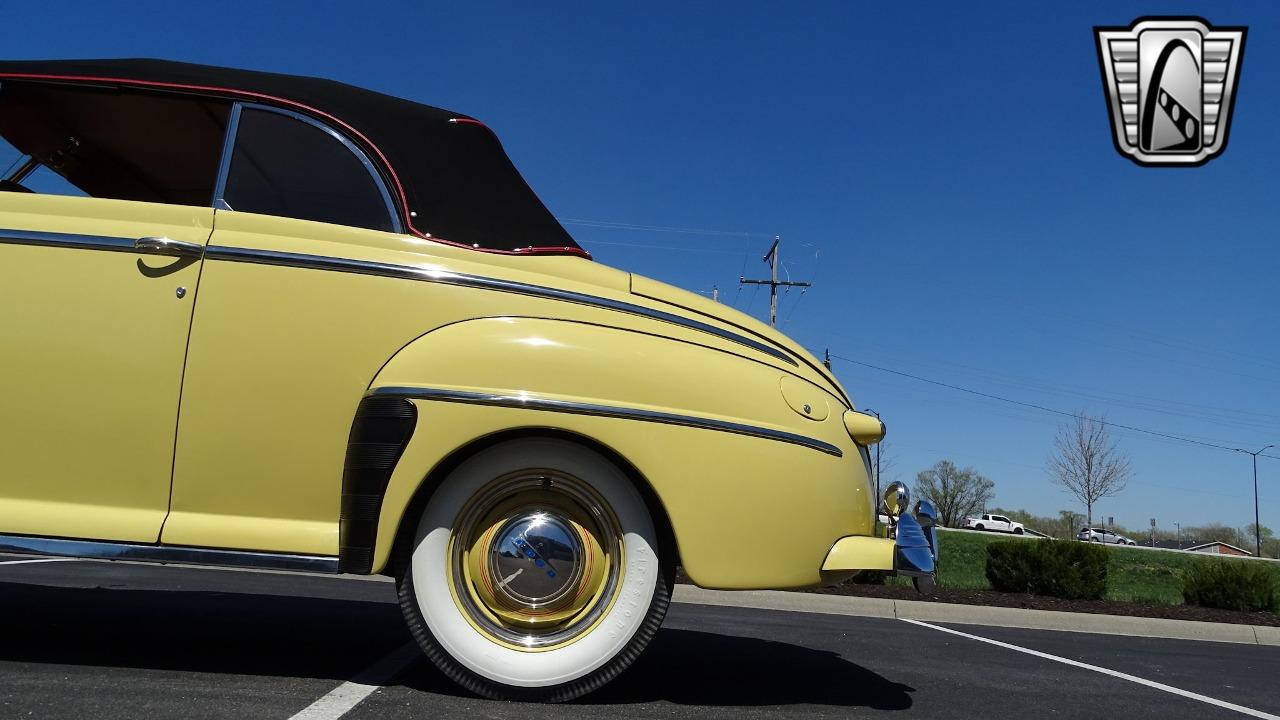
[409,272]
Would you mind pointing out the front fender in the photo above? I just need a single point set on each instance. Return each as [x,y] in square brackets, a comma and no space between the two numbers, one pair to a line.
[755,492]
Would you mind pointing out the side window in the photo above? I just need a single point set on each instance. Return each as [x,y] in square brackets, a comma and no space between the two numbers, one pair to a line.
[283,165]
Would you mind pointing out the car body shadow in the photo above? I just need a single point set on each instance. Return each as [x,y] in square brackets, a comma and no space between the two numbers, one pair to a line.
[693,668]
[202,631]
[274,632]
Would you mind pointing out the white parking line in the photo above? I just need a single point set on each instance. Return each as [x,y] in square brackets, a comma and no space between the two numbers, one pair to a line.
[1113,673]
[343,699]
[40,560]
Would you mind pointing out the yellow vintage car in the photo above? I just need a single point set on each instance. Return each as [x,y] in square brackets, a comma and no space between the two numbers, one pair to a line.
[282,322]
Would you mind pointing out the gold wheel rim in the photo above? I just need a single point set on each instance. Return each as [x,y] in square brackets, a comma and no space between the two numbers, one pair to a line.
[535,559]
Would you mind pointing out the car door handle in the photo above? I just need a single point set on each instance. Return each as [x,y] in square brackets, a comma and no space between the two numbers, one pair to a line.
[168,246]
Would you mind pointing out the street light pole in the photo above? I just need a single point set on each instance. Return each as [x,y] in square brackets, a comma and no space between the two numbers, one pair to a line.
[1257,523]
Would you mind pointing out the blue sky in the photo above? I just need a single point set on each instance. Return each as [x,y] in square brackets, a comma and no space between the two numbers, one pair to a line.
[943,173]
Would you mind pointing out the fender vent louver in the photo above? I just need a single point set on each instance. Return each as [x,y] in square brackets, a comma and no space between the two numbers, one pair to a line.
[379,434]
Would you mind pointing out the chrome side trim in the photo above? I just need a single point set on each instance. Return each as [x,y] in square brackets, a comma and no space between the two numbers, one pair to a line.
[409,272]
[66,240]
[61,547]
[224,166]
[530,402]
[228,150]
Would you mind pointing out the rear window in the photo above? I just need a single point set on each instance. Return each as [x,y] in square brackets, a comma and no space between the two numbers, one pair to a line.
[112,143]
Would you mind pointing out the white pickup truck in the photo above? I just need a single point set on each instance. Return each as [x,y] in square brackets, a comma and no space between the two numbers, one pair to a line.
[996,523]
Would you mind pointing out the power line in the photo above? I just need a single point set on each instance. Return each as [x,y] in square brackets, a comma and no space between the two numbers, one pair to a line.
[1055,411]
[812,279]
[1227,417]
[745,255]
[752,301]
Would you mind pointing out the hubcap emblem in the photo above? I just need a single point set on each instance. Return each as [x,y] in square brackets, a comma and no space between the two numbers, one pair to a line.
[548,550]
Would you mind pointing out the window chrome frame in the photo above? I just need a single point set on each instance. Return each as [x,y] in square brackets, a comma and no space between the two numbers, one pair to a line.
[224,163]
[229,145]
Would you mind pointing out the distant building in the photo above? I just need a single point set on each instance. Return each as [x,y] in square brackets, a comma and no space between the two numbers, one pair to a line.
[1219,548]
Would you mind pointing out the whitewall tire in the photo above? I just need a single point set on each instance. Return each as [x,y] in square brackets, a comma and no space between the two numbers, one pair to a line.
[536,572]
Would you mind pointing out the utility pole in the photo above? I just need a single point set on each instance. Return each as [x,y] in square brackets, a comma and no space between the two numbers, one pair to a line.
[773,282]
[826,358]
[1257,527]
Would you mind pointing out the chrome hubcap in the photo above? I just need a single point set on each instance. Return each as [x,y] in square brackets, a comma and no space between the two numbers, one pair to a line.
[535,559]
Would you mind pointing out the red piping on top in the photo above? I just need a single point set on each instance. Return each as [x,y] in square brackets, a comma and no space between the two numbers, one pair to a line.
[470,121]
[395,179]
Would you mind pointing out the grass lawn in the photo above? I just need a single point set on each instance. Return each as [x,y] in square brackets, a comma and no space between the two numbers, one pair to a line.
[1134,574]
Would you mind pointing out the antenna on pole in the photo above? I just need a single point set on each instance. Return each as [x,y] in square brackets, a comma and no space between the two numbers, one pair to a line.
[773,282]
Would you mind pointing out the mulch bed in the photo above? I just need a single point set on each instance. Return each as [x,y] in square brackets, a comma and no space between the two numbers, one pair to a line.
[1039,602]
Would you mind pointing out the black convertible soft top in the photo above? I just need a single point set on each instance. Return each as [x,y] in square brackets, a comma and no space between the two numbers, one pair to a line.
[454,181]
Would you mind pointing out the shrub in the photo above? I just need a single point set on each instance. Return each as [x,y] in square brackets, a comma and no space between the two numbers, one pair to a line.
[1231,585]
[1065,569]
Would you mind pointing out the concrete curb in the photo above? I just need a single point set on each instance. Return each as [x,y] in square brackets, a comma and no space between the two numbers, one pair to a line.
[980,615]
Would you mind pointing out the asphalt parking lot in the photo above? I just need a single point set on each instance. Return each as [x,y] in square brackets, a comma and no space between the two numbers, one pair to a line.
[82,639]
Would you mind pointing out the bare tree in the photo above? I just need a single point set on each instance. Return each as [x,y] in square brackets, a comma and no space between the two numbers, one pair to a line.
[954,492]
[1087,462]
[888,462]
[884,462]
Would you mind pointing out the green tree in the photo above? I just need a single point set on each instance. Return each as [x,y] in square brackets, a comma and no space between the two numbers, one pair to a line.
[1271,547]
[1269,541]
[1069,523]
[1215,532]
[1263,531]
[955,492]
